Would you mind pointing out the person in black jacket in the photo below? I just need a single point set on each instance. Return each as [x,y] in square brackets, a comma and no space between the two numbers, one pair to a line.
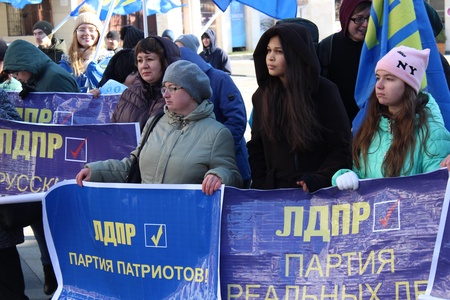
[301,133]
[50,45]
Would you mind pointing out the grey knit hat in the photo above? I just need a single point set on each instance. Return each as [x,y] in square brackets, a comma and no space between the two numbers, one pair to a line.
[189,41]
[190,77]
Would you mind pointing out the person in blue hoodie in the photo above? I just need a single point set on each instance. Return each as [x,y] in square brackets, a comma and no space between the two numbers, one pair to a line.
[214,55]
[229,108]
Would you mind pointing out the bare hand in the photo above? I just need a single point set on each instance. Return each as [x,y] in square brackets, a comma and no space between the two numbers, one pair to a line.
[446,163]
[210,184]
[83,175]
[303,185]
[95,93]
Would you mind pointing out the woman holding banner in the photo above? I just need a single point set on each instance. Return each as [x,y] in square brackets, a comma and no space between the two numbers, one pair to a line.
[300,133]
[186,146]
[403,132]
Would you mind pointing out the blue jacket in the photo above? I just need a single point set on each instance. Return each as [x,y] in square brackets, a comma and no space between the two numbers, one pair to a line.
[229,107]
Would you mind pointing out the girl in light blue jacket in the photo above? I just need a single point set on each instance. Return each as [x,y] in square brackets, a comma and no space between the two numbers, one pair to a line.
[403,132]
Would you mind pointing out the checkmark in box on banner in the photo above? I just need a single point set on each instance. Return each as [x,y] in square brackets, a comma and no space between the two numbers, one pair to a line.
[76,149]
[63,117]
[386,215]
[155,235]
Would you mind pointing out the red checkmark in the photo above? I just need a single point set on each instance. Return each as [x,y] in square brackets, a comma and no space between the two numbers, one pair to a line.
[388,215]
[66,118]
[76,152]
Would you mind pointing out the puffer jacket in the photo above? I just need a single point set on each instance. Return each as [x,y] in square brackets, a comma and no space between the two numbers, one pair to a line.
[437,148]
[179,150]
[143,100]
[46,75]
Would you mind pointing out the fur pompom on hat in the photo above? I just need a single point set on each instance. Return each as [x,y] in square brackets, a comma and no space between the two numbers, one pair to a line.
[87,15]
[406,63]
[191,78]
[189,41]
[45,26]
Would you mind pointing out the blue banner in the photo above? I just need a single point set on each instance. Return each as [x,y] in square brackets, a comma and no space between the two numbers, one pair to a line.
[377,241]
[65,108]
[36,156]
[133,241]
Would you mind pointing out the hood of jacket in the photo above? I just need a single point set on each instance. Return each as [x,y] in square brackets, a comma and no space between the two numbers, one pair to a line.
[212,36]
[171,54]
[346,12]
[296,37]
[202,111]
[24,56]
[188,55]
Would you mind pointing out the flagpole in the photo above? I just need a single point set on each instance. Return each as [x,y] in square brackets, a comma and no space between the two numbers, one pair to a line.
[61,24]
[102,34]
[212,19]
[32,197]
[144,17]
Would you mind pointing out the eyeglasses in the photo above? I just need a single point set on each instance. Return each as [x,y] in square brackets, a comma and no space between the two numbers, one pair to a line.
[86,30]
[172,89]
[360,20]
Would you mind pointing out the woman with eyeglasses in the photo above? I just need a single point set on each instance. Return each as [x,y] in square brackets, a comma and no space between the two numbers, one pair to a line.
[143,99]
[339,53]
[85,40]
[186,146]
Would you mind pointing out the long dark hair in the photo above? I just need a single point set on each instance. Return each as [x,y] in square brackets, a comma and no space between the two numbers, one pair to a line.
[411,120]
[289,111]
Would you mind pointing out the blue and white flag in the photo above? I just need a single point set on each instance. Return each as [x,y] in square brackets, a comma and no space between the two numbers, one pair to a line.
[393,23]
[278,9]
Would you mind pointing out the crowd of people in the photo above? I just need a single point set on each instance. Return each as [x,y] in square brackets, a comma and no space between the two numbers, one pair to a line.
[192,115]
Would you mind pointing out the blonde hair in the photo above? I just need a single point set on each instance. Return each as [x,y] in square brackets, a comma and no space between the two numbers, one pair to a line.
[87,15]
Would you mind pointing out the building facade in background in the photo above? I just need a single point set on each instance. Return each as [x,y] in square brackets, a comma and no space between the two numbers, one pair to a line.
[237,29]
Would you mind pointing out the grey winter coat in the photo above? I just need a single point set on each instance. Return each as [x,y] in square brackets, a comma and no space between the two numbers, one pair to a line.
[179,150]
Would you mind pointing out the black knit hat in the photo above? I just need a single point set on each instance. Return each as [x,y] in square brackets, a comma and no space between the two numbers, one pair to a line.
[130,36]
[45,26]
[119,67]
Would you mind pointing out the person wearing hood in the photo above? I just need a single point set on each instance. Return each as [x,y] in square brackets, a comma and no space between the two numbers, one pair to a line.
[186,146]
[12,284]
[36,71]
[212,54]
[340,52]
[229,107]
[300,135]
[143,98]
[50,45]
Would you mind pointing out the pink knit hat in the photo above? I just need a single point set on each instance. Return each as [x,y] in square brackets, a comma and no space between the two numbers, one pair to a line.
[406,63]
